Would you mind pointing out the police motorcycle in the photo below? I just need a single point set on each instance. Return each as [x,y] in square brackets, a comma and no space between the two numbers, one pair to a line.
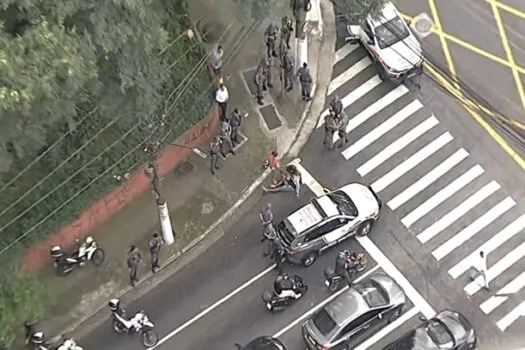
[334,280]
[87,251]
[139,323]
[275,303]
[38,342]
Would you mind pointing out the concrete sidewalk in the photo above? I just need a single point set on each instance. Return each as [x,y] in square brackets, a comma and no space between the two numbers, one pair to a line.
[201,205]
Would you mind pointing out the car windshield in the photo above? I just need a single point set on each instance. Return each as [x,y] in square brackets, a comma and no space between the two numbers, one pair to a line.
[391,32]
[343,203]
[439,333]
[372,293]
[284,231]
[324,323]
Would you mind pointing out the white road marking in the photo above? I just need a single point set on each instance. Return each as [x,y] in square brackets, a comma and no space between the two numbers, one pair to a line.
[501,296]
[497,269]
[428,179]
[511,317]
[451,217]
[397,146]
[442,195]
[349,74]
[343,52]
[411,162]
[213,306]
[489,246]
[367,344]
[382,129]
[380,257]
[322,304]
[473,229]
[355,95]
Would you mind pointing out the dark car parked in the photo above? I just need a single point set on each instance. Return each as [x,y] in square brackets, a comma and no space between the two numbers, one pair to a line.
[449,330]
[262,343]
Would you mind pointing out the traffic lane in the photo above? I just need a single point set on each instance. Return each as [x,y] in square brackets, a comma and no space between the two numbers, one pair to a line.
[223,267]
[244,317]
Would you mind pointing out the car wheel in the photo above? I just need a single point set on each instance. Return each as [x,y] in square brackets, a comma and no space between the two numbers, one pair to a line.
[310,259]
[364,228]
[394,315]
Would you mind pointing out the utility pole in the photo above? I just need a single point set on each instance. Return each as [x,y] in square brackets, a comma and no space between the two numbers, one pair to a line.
[152,149]
[299,9]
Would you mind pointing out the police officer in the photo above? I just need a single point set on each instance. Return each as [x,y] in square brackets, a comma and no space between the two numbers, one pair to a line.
[288,71]
[342,121]
[215,149]
[271,37]
[330,127]
[277,254]
[286,31]
[225,133]
[336,105]
[260,85]
[306,82]
[155,243]
[266,67]
[133,262]
[235,123]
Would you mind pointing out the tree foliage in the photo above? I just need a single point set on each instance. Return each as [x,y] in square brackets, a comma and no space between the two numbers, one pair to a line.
[23,297]
[102,73]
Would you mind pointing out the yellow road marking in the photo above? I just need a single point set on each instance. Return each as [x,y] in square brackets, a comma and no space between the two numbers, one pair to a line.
[444,43]
[508,51]
[509,9]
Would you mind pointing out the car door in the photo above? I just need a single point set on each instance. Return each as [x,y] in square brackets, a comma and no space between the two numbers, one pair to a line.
[339,230]
[313,239]
[361,328]
[367,37]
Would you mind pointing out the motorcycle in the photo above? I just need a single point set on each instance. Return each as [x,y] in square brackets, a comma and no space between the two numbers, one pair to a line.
[37,341]
[140,323]
[87,251]
[334,281]
[274,303]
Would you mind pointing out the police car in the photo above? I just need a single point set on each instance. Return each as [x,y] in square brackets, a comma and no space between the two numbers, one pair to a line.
[327,221]
[391,43]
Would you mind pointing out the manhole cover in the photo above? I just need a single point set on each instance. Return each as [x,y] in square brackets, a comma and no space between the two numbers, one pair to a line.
[422,24]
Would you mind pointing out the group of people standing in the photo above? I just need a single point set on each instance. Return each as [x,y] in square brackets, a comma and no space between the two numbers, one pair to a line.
[336,121]
[134,260]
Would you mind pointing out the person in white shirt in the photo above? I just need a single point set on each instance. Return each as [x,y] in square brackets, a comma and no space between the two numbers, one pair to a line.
[480,265]
[222,96]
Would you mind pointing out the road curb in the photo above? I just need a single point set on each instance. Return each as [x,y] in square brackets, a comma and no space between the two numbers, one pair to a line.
[302,132]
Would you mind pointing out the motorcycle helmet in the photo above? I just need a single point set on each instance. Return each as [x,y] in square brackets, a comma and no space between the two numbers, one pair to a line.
[56,251]
[114,304]
[37,338]
[89,240]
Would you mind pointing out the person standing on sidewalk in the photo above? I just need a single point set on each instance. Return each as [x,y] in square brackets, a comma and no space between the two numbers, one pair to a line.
[270,35]
[155,243]
[480,265]
[267,71]
[288,71]
[134,260]
[215,59]
[306,82]
[225,134]
[342,120]
[286,31]
[236,123]
[330,127]
[215,149]
[260,85]
[222,97]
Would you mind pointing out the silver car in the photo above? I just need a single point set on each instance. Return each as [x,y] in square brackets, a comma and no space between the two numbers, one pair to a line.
[355,315]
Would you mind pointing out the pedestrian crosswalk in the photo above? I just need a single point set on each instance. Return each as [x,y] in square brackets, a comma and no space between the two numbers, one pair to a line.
[433,184]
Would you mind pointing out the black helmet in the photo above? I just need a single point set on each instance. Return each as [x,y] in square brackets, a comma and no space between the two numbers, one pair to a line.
[114,304]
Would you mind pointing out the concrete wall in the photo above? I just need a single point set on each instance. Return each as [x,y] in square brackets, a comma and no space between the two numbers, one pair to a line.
[38,256]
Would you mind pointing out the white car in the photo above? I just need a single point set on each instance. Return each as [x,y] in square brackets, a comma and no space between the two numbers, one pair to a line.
[391,43]
[327,221]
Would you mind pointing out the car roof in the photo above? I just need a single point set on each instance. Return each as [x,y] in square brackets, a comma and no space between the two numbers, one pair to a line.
[304,218]
[388,13]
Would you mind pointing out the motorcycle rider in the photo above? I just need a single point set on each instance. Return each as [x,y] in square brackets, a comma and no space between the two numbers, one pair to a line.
[37,338]
[346,265]
[120,314]
[283,287]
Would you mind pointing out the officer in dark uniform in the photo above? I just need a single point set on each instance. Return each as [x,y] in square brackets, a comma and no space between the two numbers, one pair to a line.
[225,134]
[330,127]
[271,37]
[215,149]
[288,68]
[286,30]
[277,254]
[260,85]
[235,123]
[266,67]
[342,121]
[336,105]
[306,82]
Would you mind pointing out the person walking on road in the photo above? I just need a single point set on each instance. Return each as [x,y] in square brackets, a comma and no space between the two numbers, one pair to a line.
[330,127]
[265,64]
[305,78]
[266,217]
[277,254]
[342,121]
[222,97]
[225,134]
[236,123]
[134,260]
[155,243]
[215,150]
[480,265]
[336,106]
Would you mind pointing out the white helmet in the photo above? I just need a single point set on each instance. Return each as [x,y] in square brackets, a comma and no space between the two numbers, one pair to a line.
[89,239]
[114,304]
[37,337]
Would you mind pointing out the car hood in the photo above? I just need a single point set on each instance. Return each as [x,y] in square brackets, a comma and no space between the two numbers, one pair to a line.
[364,200]
[403,55]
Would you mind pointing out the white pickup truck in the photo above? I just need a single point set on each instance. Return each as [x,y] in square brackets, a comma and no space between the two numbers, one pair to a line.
[391,44]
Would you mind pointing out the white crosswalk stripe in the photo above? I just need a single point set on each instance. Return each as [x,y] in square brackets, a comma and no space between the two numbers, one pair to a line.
[452,206]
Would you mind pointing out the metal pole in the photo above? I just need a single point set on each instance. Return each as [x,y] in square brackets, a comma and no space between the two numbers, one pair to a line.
[299,8]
